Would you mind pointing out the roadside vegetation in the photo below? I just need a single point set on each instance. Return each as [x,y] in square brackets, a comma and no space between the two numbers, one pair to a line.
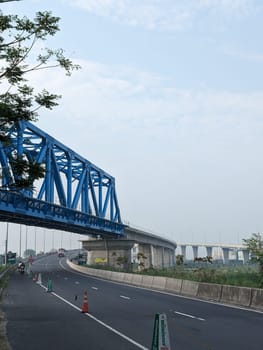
[243,276]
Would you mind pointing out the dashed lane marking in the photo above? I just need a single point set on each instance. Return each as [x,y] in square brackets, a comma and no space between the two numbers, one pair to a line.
[190,316]
[140,346]
[124,297]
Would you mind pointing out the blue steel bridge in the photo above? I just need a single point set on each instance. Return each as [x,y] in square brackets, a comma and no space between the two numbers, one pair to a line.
[74,195]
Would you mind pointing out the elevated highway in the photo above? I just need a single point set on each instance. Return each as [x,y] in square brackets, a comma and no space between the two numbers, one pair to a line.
[226,249]
[136,246]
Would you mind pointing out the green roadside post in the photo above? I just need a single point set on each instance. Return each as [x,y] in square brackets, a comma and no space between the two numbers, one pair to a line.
[49,286]
[160,339]
[155,333]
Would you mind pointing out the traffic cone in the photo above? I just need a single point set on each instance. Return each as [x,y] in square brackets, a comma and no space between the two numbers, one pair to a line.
[49,286]
[35,277]
[39,280]
[85,303]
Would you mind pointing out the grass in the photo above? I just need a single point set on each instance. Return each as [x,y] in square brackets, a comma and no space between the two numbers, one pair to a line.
[241,275]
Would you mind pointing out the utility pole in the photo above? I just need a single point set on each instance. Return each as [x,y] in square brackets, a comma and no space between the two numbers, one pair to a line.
[20,238]
[26,239]
[44,245]
[35,240]
[6,242]
[52,239]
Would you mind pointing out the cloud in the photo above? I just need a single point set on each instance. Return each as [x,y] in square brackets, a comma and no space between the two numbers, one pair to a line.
[168,15]
[247,56]
[122,99]
[183,158]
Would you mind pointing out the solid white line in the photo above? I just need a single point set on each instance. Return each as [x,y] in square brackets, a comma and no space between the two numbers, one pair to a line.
[190,316]
[124,297]
[99,321]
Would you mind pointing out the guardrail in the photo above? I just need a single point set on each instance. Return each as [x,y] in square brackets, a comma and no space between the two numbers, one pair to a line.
[2,274]
[241,296]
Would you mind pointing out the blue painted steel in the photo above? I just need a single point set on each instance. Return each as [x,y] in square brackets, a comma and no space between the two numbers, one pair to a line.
[74,193]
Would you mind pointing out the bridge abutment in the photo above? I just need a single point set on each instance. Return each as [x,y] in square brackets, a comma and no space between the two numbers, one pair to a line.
[115,252]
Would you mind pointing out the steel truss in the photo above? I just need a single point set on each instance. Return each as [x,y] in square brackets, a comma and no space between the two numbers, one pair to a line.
[73,193]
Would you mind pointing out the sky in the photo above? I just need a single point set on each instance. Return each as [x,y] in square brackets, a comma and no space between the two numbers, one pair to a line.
[169,101]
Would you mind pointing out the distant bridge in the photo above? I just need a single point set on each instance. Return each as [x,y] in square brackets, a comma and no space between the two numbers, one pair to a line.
[226,248]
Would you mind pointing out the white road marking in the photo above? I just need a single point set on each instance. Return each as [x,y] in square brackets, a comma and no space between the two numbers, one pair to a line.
[190,316]
[65,278]
[99,321]
[94,288]
[83,274]
[76,282]
[124,297]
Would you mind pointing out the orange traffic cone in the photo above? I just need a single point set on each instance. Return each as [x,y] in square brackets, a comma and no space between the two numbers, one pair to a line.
[85,303]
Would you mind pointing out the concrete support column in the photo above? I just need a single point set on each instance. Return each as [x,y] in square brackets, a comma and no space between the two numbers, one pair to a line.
[110,252]
[152,256]
[195,251]
[209,251]
[145,249]
[245,255]
[171,257]
[226,255]
[183,251]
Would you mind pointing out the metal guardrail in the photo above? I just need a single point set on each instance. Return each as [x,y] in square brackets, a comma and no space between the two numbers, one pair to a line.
[4,272]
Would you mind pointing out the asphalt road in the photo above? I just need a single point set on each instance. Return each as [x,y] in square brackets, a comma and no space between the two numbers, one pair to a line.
[120,316]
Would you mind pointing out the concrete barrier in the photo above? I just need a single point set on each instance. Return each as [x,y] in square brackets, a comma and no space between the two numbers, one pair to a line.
[173,285]
[117,276]
[159,282]
[257,298]
[248,297]
[137,280]
[209,291]
[128,277]
[189,288]
[147,281]
[236,295]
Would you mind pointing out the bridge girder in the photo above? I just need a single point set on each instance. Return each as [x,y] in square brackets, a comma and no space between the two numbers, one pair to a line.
[71,182]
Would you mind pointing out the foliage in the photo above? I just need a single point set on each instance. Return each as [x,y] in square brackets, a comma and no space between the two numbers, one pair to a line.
[179,259]
[245,276]
[121,260]
[19,37]
[255,246]
[141,259]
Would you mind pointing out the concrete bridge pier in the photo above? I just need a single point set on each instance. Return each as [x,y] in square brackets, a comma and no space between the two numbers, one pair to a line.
[209,251]
[183,251]
[110,252]
[245,255]
[195,251]
[156,256]
[226,254]
[145,255]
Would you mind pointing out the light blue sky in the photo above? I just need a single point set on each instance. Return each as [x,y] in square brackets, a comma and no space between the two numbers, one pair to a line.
[169,100]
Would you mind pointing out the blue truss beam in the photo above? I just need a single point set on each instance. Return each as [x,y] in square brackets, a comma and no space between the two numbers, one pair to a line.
[71,185]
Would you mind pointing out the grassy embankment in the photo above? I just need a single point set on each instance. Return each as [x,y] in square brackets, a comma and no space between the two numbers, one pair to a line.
[243,276]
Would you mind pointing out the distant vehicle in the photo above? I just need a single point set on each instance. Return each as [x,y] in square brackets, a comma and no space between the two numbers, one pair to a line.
[21,267]
[61,253]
